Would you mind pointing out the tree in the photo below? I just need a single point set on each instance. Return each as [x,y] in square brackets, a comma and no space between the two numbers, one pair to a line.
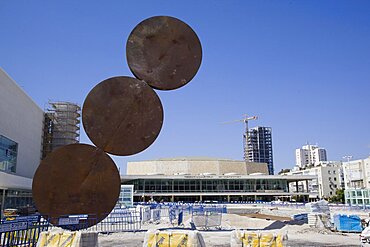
[338,197]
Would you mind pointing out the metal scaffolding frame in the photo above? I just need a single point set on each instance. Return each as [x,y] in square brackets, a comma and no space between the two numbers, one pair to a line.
[61,125]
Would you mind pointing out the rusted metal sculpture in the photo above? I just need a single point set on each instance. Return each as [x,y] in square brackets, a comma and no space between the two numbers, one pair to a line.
[76,179]
[121,116]
[164,52]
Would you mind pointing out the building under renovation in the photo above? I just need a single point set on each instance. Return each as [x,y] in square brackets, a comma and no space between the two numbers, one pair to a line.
[61,125]
[258,146]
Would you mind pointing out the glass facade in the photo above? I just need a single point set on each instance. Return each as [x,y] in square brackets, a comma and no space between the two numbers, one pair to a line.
[126,196]
[208,185]
[8,154]
[16,198]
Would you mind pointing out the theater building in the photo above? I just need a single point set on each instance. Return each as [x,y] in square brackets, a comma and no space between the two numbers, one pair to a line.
[207,179]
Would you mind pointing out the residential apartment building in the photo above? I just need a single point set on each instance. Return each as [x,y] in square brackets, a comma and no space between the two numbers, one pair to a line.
[329,178]
[357,174]
[258,147]
[357,181]
[309,155]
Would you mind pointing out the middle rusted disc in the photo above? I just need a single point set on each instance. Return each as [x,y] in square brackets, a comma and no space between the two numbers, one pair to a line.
[122,115]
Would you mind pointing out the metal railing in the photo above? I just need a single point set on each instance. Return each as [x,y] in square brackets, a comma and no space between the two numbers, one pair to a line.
[22,231]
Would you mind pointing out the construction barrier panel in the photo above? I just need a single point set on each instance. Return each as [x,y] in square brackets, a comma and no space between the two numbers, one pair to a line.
[144,213]
[176,238]
[155,215]
[241,238]
[206,219]
[64,238]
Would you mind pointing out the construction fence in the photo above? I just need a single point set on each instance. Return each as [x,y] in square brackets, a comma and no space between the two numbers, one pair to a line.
[22,231]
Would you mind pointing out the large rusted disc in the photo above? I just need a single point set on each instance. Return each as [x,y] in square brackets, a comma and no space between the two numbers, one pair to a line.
[122,115]
[164,51]
[76,179]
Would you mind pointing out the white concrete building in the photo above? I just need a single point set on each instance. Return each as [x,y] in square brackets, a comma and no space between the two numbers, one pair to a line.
[357,182]
[329,178]
[309,155]
[357,174]
[21,126]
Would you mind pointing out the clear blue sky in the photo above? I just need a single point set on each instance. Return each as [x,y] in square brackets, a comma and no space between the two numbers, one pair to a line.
[303,67]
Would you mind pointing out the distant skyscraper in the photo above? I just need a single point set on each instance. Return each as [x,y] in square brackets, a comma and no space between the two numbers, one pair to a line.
[258,146]
[309,155]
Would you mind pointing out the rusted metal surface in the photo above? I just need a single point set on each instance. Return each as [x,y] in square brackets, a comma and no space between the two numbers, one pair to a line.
[76,179]
[122,115]
[164,52]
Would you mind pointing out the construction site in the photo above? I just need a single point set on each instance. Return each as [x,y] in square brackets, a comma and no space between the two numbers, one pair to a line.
[274,224]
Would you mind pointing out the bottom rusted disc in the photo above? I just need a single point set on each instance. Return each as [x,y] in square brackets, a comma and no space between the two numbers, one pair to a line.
[76,179]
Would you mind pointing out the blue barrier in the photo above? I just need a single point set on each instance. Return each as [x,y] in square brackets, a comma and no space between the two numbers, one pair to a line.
[22,231]
[347,223]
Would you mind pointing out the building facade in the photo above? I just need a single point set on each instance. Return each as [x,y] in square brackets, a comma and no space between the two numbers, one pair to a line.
[357,181]
[309,155]
[328,179]
[195,166]
[357,197]
[207,179]
[357,174]
[126,196]
[259,147]
[221,188]
[21,126]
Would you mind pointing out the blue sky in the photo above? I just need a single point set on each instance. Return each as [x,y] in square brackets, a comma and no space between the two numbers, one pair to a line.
[303,67]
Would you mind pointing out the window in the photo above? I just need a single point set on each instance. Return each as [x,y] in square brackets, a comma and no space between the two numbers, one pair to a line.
[329,172]
[8,154]
[335,179]
[366,193]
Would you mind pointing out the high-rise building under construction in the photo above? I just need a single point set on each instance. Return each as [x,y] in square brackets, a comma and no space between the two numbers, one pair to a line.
[61,125]
[258,146]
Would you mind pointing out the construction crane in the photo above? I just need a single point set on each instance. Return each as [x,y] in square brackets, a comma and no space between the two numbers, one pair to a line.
[245,136]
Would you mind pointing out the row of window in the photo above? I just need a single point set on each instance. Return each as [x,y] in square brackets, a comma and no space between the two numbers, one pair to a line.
[219,185]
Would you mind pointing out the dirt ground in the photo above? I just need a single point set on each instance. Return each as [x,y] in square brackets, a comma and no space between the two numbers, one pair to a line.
[267,217]
[298,234]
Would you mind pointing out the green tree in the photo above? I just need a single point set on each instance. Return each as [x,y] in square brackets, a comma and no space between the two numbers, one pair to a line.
[338,197]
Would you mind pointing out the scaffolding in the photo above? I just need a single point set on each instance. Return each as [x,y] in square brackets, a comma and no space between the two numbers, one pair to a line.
[61,125]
